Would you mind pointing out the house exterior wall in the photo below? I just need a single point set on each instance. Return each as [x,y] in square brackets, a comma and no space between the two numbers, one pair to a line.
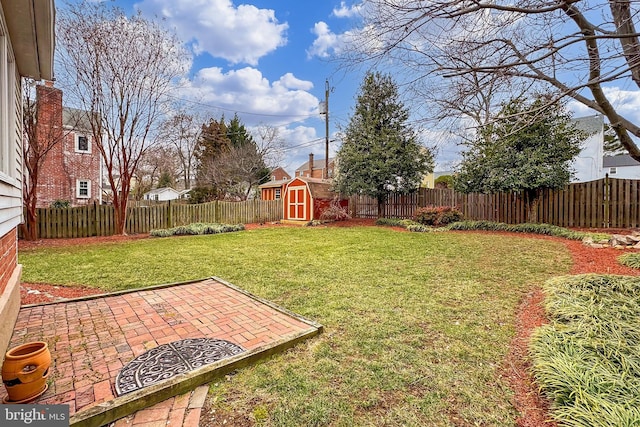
[10,185]
[279,174]
[70,171]
[162,196]
[588,163]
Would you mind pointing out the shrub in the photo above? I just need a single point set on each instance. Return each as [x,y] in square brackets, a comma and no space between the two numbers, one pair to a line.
[630,260]
[60,204]
[586,360]
[335,212]
[437,215]
[196,229]
[546,229]
[394,222]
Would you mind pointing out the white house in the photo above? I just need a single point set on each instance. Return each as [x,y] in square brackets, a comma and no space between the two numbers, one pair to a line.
[622,166]
[588,163]
[26,49]
[166,193]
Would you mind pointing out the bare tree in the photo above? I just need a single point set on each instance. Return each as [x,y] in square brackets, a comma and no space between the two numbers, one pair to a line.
[44,128]
[120,69]
[38,142]
[575,48]
[270,144]
[157,162]
[182,131]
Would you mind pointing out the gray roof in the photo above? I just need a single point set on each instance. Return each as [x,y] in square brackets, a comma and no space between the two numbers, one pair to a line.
[590,124]
[620,160]
[317,164]
[76,119]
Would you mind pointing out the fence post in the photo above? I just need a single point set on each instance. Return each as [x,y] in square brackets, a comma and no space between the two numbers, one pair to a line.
[169,215]
[607,201]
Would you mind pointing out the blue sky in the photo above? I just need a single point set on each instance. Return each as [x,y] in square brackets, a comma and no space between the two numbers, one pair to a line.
[267,61]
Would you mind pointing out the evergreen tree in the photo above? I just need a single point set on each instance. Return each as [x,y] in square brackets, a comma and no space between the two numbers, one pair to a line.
[527,148]
[380,153]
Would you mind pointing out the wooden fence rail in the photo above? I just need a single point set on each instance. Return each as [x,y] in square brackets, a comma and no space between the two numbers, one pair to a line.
[99,220]
[606,203]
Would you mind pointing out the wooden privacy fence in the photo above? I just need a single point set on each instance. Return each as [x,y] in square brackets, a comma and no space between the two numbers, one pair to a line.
[606,203]
[98,220]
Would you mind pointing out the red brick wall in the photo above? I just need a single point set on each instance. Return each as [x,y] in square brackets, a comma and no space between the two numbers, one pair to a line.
[9,257]
[279,174]
[63,166]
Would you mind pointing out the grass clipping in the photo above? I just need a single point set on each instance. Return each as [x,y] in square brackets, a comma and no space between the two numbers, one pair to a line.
[587,359]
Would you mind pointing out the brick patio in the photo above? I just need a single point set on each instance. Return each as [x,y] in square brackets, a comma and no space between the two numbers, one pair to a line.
[92,339]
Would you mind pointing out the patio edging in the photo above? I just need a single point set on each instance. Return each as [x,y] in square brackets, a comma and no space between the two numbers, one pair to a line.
[107,412]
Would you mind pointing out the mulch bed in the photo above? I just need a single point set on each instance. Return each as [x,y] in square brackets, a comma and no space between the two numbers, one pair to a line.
[515,369]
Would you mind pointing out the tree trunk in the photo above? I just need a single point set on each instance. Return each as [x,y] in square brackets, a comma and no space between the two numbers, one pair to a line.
[531,201]
[120,210]
[381,203]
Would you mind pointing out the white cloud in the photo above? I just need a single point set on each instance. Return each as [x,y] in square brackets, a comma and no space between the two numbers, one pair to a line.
[246,90]
[327,42]
[626,103]
[345,11]
[240,34]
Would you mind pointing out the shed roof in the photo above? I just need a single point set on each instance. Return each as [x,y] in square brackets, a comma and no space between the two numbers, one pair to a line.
[274,184]
[318,187]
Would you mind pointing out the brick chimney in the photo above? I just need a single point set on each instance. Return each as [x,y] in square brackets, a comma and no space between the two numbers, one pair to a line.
[310,165]
[52,184]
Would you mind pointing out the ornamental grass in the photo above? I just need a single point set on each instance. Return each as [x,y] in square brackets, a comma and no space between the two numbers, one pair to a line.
[586,359]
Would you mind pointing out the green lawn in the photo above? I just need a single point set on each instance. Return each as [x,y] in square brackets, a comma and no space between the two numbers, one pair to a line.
[417,325]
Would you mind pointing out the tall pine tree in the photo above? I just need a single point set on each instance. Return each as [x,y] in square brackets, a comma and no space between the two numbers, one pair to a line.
[380,153]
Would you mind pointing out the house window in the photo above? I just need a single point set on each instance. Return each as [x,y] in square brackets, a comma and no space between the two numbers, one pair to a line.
[613,171]
[82,144]
[278,193]
[83,189]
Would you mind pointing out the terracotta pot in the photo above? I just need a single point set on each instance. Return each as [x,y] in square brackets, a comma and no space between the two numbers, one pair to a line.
[25,371]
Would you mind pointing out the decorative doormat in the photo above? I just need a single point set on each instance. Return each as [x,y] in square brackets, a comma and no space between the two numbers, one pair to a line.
[169,360]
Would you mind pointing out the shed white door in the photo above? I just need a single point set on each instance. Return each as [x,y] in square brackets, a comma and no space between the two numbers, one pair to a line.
[297,203]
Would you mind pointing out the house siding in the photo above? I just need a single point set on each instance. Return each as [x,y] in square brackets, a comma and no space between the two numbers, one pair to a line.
[10,191]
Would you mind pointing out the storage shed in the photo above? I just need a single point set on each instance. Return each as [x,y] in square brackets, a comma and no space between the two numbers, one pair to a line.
[306,198]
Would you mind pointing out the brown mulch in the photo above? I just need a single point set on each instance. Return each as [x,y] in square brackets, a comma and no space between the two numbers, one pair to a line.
[530,404]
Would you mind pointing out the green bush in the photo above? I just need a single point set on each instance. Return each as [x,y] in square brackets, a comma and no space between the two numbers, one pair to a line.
[196,229]
[545,229]
[60,204]
[394,222]
[586,360]
[437,215]
[631,259]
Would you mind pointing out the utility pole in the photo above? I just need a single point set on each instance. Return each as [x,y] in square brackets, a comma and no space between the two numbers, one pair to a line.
[326,129]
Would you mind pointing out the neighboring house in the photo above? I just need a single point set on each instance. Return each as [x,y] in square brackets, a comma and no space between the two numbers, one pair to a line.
[274,188]
[166,193]
[72,169]
[588,163]
[622,166]
[26,49]
[305,199]
[316,168]
[279,174]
